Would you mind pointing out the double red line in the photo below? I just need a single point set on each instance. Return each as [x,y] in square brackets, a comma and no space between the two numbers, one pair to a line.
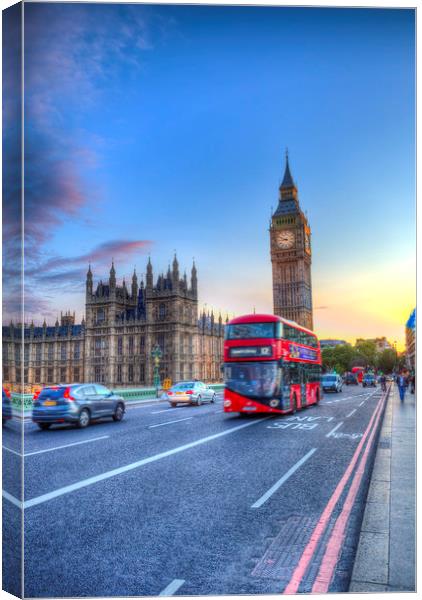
[332,552]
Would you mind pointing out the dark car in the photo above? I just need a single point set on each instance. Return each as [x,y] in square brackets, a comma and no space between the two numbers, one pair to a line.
[369,380]
[351,379]
[6,412]
[76,403]
[331,382]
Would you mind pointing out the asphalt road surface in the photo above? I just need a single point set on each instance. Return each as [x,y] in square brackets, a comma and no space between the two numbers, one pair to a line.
[192,501]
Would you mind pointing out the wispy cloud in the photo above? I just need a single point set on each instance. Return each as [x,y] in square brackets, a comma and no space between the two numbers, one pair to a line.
[72,53]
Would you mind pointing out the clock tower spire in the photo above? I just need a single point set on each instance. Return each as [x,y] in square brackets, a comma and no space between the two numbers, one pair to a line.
[291,257]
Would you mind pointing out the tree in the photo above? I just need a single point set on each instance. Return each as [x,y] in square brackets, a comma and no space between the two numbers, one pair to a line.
[366,352]
[387,360]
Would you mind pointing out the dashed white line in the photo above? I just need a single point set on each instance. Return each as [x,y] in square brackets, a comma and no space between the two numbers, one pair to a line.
[170,422]
[363,402]
[157,412]
[126,468]
[172,587]
[351,413]
[103,437]
[280,482]
[335,429]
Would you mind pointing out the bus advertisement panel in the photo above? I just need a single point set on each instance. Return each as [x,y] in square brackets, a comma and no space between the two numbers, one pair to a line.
[271,365]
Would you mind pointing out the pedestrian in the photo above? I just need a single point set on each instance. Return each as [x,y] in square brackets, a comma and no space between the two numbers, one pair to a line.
[412,384]
[383,381]
[401,384]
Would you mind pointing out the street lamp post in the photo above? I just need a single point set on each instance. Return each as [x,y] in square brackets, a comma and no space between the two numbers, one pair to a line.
[156,356]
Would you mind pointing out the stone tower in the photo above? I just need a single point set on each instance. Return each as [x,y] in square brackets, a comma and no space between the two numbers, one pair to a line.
[291,257]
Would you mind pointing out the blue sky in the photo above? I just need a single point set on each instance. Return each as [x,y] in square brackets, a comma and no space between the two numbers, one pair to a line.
[154,128]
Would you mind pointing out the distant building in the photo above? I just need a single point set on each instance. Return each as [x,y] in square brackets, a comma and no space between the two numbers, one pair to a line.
[381,343]
[333,343]
[410,340]
[113,344]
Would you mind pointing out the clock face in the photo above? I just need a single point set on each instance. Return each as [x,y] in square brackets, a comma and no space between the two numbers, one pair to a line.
[285,239]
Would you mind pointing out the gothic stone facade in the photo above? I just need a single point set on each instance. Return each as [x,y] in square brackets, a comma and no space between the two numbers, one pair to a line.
[113,344]
[291,256]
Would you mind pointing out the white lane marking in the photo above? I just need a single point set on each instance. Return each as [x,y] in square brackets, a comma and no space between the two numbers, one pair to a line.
[140,463]
[102,437]
[12,451]
[157,412]
[172,587]
[335,429]
[169,422]
[280,482]
[351,413]
[12,499]
[363,402]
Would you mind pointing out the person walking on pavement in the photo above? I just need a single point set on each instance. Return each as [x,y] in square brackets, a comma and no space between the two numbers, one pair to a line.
[412,383]
[402,384]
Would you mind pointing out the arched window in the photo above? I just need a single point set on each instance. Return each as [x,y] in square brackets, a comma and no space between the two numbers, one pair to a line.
[162,311]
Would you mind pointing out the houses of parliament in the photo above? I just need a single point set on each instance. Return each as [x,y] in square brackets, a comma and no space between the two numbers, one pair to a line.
[122,325]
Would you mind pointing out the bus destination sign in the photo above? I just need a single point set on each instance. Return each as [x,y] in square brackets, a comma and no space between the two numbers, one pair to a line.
[250,351]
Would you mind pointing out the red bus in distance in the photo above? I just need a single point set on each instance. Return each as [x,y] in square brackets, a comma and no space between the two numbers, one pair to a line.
[359,371]
[271,365]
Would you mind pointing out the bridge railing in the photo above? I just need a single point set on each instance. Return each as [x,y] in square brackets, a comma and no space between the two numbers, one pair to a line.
[24,401]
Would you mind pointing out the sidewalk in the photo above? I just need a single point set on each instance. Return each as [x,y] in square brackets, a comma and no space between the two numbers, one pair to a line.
[385,557]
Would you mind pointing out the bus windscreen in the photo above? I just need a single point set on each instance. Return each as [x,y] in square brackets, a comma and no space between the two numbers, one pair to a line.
[244,331]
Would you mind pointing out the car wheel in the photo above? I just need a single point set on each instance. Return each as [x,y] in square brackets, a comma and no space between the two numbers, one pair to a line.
[199,401]
[119,414]
[213,398]
[84,418]
[44,426]
[173,404]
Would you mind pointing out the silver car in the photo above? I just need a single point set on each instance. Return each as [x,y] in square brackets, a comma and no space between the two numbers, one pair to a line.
[190,392]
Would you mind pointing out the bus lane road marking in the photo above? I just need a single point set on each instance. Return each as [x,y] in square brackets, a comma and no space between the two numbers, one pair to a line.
[301,423]
[280,482]
[125,469]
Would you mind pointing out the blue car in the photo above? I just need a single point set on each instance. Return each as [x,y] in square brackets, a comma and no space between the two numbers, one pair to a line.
[6,412]
[77,403]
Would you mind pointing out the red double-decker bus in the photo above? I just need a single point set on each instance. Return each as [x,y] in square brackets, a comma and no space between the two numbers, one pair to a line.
[271,365]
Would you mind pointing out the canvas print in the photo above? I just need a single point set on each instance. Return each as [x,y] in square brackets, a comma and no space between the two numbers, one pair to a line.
[209,306]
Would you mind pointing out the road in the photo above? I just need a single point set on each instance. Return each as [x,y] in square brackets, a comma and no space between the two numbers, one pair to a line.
[192,501]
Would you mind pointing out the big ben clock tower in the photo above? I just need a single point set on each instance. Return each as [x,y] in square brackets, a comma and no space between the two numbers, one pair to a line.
[290,237]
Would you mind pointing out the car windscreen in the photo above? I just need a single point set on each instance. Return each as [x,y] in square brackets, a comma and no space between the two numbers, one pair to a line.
[329,378]
[243,331]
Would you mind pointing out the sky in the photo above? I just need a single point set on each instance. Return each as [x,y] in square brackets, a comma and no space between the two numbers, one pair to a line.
[153,129]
